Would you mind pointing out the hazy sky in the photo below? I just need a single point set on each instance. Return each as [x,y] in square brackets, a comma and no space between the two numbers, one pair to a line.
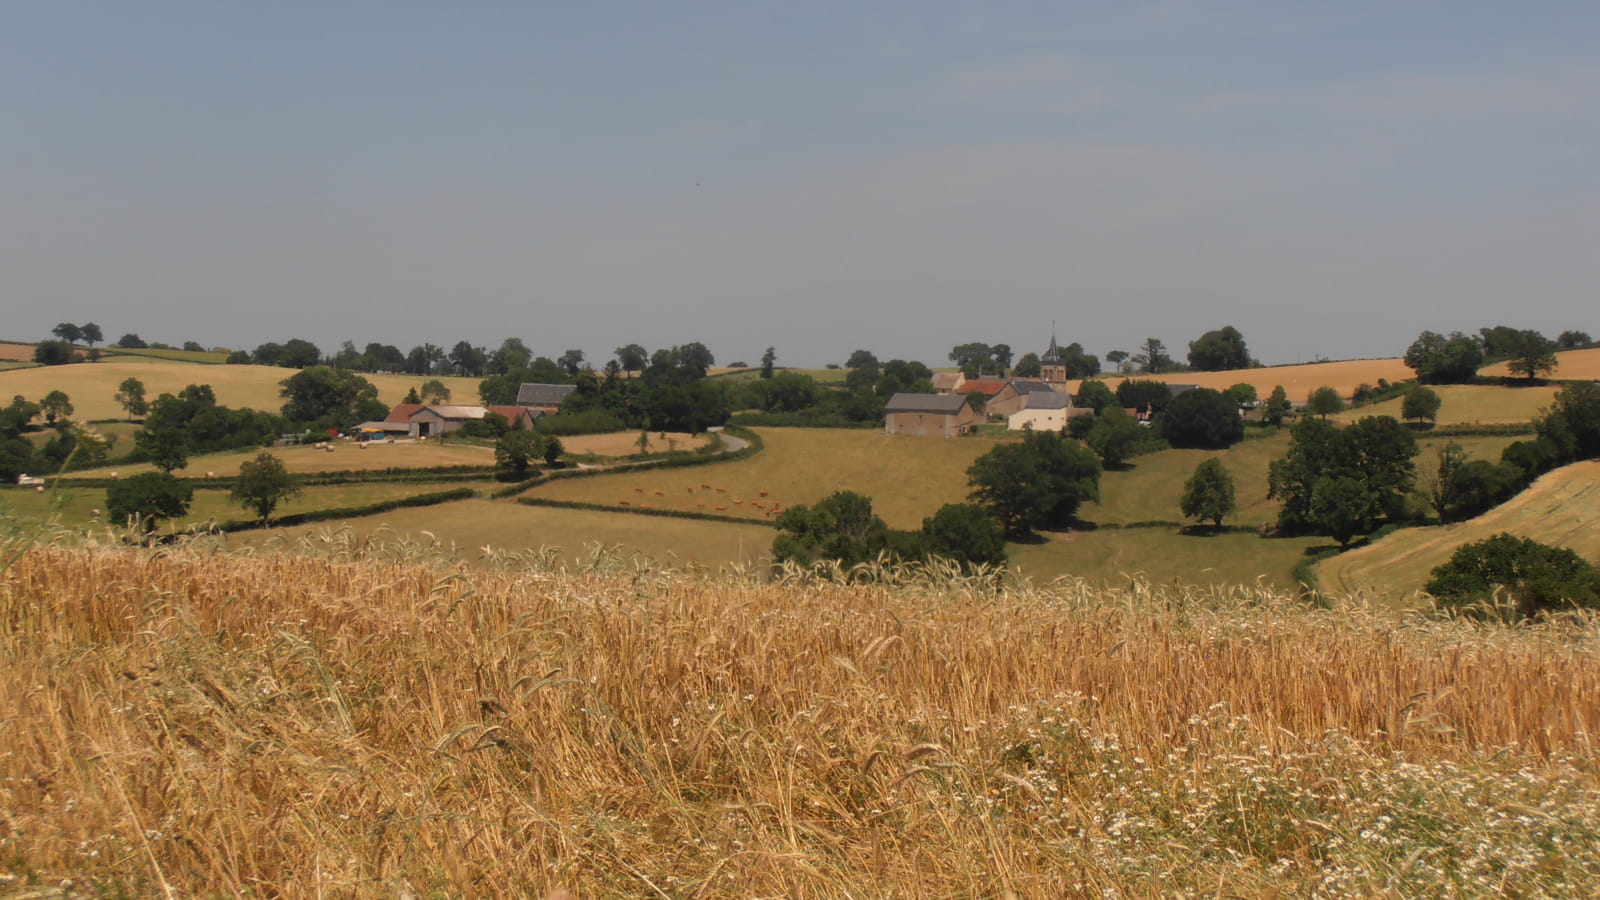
[897,176]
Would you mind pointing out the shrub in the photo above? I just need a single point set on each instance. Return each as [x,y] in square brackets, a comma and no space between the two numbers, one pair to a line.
[1511,574]
[1201,419]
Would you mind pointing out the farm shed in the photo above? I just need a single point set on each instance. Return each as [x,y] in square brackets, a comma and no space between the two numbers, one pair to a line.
[926,414]
[433,419]
[1019,393]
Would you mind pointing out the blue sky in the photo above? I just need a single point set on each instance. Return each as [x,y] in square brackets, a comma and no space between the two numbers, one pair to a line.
[902,177]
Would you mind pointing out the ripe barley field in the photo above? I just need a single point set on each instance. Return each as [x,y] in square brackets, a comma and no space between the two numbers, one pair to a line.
[1570,364]
[1297,381]
[1561,508]
[370,721]
[92,386]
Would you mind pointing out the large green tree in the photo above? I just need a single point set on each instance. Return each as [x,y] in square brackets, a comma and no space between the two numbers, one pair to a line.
[327,397]
[1377,452]
[1115,436]
[1420,403]
[148,498]
[1209,493]
[263,483]
[1444,360]
[966,534]
[840,527]
[1217,350]
[1201,418]
[1324,402]
[1035,483]
[1152,356]
[1531,354]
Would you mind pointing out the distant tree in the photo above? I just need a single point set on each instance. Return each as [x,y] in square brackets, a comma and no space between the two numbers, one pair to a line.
[1477,486]
[1201,418]
[768,359]
[1117,358]
[694,359]
[512,355]
[789,392]
[1037,482]
[1438,484]
[412,396]
[571,361]
[263,483]
[434,391]
[1218,350]
[973,359]
[1209,493]
[966,534]
[1079,364]
[90,334]
[1420,403]
[1114,436]
[1572,423]
[862,359]
[1152,356]
[1531,354]
[131,341]
[1525,576]
[632,357]
[55,405]
[1145,395]
[840,527]
[1324,402]
[130,396]
[299,353]
[16,418]
[1444,360]
[238,358]
[164,442]
[148,498]
[52,353]
[467,359]
[1277,408]
[517,450]
[1572,340]
[1002,358]
[329,397]
[1241,394]
[1095,395]
[552,449]
[193,347]
[1028,366]
[67,332]
[267,354]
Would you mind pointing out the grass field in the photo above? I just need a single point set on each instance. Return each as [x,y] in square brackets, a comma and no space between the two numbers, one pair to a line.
[347,456]
[1297,381]
[1561,508]
[92,385]
[355,723]
[626,443]
[822,376]
[1570,364]
[205,357]
[1164,556]
[71,507]
[472,525]
[907,478]
[1469,404]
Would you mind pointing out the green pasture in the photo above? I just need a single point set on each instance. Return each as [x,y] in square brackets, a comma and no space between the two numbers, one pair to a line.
[1163,555]
[1470,404]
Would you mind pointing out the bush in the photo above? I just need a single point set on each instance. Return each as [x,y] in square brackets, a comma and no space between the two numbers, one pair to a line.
[591,421]
[965,533]
[1038,482]
[1508,574]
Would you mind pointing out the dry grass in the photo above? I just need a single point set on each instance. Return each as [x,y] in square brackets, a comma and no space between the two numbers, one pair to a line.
[16,352]
[1571,364]
[178,723]
[626,443]
[1561,508]
[1470,404]
[907,478]
[347,456]
[92,385]
[1297,381]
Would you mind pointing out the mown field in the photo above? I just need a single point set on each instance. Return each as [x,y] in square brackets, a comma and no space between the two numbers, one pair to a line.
[1469,404]
[1297,381]
[1561,508]
[1570,364]
[346,456]
[93,385]
[358,722]
[907,478]
[14,352]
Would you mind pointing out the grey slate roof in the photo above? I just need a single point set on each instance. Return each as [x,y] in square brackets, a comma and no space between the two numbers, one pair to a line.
[1024,386]
[543,394]
[1048,400]
[939,404]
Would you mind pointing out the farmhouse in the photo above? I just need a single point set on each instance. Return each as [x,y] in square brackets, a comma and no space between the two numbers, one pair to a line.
[925,414]
[1019,393]
[948,382]
[424,419]
[1045,411]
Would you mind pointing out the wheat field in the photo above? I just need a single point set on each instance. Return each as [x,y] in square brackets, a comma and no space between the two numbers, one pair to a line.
[363,720]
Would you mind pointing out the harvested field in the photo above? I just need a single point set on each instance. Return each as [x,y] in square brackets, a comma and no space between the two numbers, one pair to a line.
[626,443]
[1297,381]
[374,721]
[1162,555]
[1470,404]
[1561,508]
[907,478]
[1570,364]
[16,352]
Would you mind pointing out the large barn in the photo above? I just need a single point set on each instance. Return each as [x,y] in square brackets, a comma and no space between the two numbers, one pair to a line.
[928,414]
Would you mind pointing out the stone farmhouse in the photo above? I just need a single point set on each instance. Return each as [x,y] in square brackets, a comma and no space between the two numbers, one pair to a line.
[947,415]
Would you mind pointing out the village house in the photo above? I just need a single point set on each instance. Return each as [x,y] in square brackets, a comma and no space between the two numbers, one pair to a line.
[1017,394]
[428,419]
[929,414]
[1045,411]
[948,382]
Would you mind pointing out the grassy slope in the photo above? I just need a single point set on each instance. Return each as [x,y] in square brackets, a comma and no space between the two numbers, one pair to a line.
[1561,508]
[92,385]
[1470,404]
[347,456]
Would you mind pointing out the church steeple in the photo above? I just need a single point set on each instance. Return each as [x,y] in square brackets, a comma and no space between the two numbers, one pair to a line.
[1051,369]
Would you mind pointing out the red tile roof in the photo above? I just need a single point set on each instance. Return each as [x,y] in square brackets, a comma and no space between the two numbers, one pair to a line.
[402,412]
[989,386]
